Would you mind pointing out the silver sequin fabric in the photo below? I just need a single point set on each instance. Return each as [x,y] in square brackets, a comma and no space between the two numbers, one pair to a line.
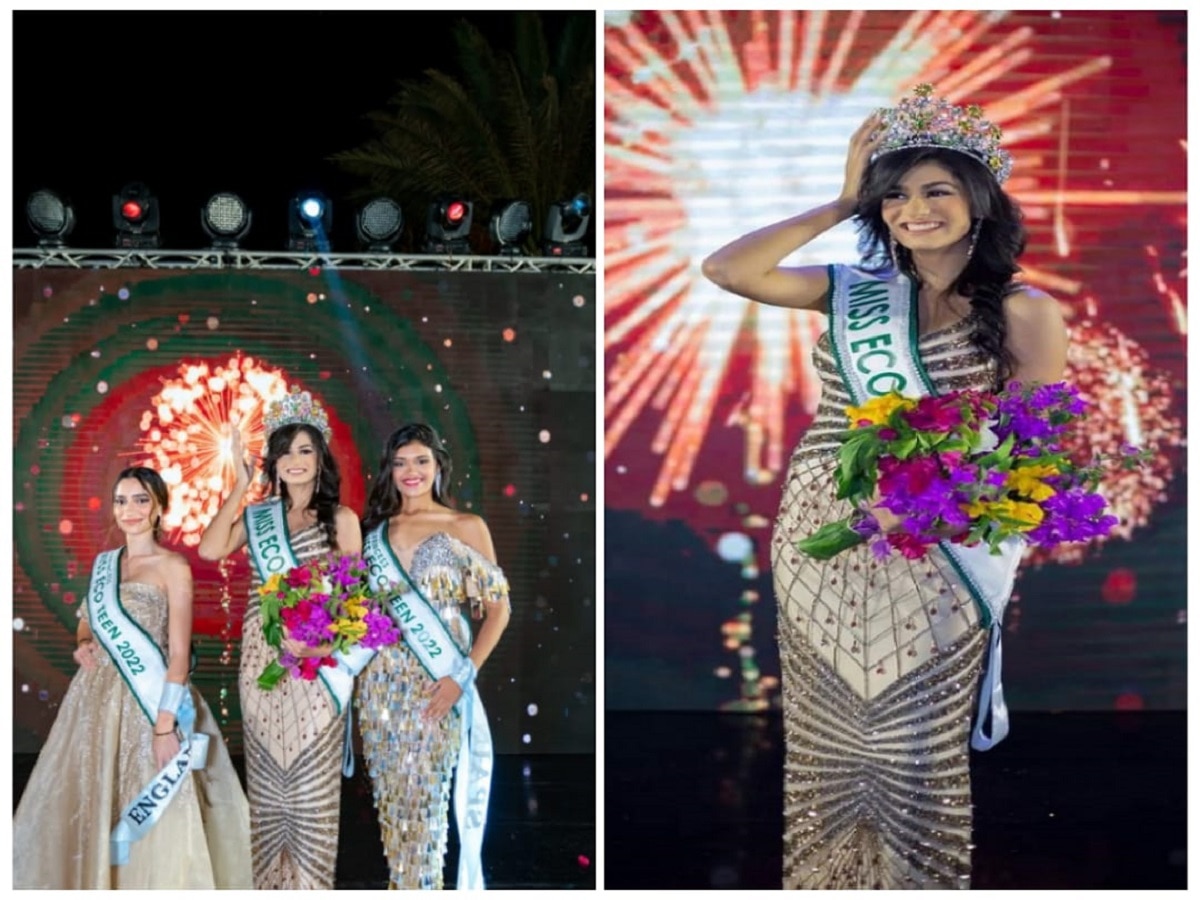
[880,664]
[411,762]
[294,737]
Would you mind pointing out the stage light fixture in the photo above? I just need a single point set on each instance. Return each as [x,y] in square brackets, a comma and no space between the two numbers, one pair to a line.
[379,223]
[135,217]
[310,222]
[448,225]
[510,225]
[566,225]
[226,220]
[50,217]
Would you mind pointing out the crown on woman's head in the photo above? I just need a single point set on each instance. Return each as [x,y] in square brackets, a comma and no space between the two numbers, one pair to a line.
[927,121]
[296,407]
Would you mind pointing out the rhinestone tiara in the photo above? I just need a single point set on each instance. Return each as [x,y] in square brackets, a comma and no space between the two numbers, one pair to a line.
[927,121]
[296,407]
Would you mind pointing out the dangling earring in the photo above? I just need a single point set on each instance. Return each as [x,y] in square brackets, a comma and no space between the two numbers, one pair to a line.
[437,483]
[278,484]
[894,252]
[975,229]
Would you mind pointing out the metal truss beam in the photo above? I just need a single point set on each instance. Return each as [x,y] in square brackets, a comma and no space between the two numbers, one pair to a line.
[62,257]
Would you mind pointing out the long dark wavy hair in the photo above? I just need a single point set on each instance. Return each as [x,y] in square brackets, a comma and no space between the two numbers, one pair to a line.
[326,492]
[988,276]
[384,500]
[152,482]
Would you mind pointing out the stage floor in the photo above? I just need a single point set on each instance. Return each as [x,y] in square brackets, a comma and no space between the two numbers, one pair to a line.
[1068,800]
[541,830]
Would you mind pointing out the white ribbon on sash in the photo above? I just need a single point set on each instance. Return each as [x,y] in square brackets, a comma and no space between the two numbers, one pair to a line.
[874,332]
[426,635]
[141,664]
[271,550]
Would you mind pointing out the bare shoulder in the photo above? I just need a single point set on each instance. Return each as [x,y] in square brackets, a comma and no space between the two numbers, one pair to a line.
[472,530]
[176,564]
[344,516]
[1037,336]
[1032,308]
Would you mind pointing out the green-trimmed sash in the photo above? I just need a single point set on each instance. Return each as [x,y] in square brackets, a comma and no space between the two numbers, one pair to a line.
[143,668]
[874,332]
[427,637]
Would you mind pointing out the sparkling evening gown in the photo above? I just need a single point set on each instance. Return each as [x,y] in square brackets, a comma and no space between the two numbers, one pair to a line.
[96,759]
[411,762]
[880,664]
[293,740]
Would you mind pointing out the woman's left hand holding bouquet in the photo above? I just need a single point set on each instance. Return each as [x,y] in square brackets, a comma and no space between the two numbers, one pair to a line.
[301,650]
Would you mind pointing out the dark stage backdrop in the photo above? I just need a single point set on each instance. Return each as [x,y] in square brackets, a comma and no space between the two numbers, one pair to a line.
[717,123]
[118,367]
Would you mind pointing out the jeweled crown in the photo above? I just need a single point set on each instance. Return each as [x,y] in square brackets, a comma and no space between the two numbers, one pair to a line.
[296,407]
[927,121]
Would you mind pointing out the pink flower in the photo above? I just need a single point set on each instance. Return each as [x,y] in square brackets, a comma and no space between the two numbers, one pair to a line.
[299,577]
[908,544]
[936,414]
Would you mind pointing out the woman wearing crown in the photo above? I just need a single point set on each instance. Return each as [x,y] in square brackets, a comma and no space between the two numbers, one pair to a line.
[294,732]
[421,716]
[882,659]
[134,787]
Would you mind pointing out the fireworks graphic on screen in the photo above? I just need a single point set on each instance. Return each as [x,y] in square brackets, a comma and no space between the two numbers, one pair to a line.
[188,434]
[718,123]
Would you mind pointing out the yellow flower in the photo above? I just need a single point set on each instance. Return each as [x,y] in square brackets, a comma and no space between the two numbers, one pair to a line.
[355,608]
[1027,481]
[1030,515]
[271,585]
[878,410]
[974,509]
[348,628]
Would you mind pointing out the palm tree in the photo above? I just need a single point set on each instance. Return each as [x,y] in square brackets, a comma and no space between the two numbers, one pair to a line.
[518,123]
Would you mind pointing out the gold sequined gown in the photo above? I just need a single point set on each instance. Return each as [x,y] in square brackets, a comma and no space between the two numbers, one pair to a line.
[96,759]
[293,736]
[880,664]
[410,761]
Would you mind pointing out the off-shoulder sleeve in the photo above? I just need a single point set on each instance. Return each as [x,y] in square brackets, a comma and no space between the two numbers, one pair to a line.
[484,580]
[466,575]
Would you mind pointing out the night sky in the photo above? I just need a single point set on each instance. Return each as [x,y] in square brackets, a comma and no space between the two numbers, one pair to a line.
[193,103]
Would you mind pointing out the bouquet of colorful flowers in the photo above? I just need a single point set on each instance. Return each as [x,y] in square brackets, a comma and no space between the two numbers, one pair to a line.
[967,466]
[325,601]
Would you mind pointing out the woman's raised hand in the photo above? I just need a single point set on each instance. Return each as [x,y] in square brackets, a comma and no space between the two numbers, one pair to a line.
[863,143]
[243,467]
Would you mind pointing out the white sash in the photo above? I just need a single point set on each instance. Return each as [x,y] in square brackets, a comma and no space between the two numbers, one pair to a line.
[426,635]
[271,549]
[873,330]
[140,662]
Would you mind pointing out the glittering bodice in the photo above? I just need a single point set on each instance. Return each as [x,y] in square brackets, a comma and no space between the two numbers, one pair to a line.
[952,361]
[146,604]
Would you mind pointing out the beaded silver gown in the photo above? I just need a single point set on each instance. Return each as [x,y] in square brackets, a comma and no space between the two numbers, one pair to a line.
[293,742]
[411,761]
[880,663]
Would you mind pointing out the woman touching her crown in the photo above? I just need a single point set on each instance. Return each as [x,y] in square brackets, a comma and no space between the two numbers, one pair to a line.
[882,659]
[294,731]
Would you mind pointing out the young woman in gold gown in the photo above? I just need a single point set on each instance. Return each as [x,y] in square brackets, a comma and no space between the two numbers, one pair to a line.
[881,659]
[104,749]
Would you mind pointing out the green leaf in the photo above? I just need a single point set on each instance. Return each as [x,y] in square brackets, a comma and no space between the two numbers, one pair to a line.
[271,675]
[830,540]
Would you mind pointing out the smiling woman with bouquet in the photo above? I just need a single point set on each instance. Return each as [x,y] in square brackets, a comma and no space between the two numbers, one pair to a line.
[882,654]
[294,729]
